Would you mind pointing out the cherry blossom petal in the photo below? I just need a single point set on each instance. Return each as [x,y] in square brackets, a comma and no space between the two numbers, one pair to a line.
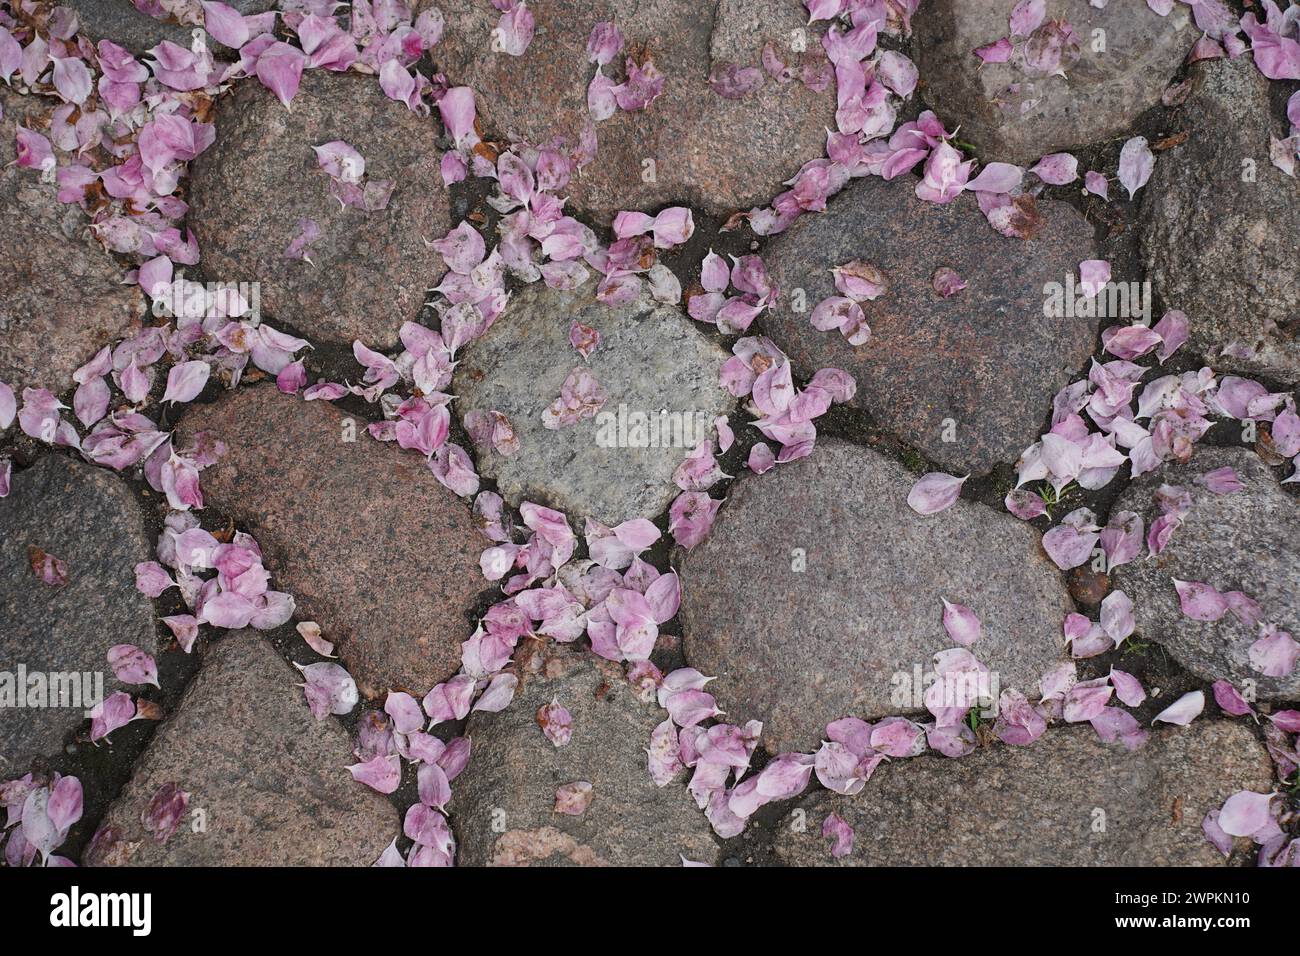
[840,833]
[1182,711]
[329,689]
[117,710]
[1230,700]
[279,68]
[500,692]
[573,799]
[935,492]
[1275,653]
[381,772]
[1245,813]
[1136,162]
[961,623]
[1056,169]
[186,381]
[1127,688]
[1200,601]
[132,665]
[947,282]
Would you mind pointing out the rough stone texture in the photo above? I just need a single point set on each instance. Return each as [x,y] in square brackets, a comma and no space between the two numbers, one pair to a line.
[1014,117]
[1241,542]
[516,771]
[260,178]
[121,22]
[270,778]
[1220,249]
[650,358]
[710,153]
[799,649]
[361,533]
[1036,805]
[86,517]
[986,358]
[61,298]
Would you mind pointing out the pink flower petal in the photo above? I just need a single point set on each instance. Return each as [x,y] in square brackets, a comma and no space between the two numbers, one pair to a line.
[997,52]
[225,24]
[329,689]
[1127,688]
[935,492]
[381,772]
[1117,616]
[573,799]
[1119,726]
[1136,162]
[1200,601]
[1275,653]
[1027,16]
[405,711]
[1086,699]
[1245,813]
[116,711]
[186,381]
[1221,481]
[162,817]
[1057,169]
[1093,276]
[556,723]
[499,694]
[961,623]
[947,282]
[1097,184]
[1230,700]
[279,68]
[997,178]
[132,665]
[1210,825]
[840,833]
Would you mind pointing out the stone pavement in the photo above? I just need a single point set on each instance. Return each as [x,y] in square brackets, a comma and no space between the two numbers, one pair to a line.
[635,420]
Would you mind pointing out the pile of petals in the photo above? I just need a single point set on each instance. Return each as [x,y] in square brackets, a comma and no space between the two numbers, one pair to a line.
[719,754]
[857,282]
[1176,409]
[1274,654]
[124,438]
[400,732]
[1037,46]
[236,596]
[867,143]
[38,815]
[868,84]
[349,184]
[382,38]
[420,422]
[612,596]
[642,86]
[760,373]
[1257,816]
[637,237]
[120,141]
[122,133]
[1280,728]
[732,314]
[120,436]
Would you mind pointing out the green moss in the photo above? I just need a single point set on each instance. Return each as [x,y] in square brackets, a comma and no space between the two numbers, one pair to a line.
[914,460]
